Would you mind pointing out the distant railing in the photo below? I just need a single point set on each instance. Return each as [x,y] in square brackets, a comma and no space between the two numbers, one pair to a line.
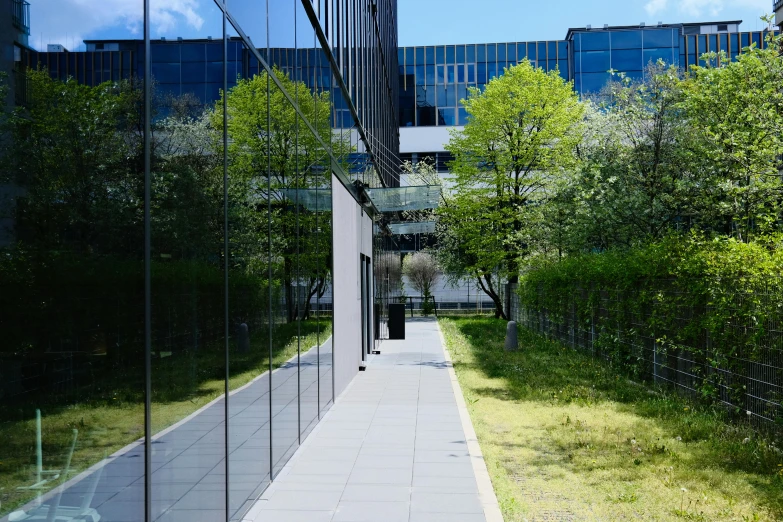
[21,15]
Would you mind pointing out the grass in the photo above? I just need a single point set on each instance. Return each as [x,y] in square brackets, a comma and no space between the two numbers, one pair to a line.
[109,415]
[566,438]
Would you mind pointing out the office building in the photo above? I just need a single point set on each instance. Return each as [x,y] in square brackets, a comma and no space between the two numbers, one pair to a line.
[188,280]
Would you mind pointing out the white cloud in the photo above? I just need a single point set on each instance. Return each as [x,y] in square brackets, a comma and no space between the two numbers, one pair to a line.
[69,21]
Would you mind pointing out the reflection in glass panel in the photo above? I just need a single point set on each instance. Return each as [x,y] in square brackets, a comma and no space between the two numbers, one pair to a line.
[627,59]
[660,38]
[595,61]
[72,359]
[446,116]
[627,39]
[188,311]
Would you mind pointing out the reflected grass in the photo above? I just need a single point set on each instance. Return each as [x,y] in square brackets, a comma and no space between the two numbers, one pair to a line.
[566,438]
[110,415]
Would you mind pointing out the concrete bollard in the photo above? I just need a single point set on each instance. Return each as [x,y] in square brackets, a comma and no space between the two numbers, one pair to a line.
[243,339]
[511,337]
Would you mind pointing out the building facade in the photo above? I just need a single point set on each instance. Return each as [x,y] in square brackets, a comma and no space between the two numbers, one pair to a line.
[187,275]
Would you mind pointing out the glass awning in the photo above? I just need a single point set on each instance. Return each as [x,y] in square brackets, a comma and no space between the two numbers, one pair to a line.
[396,199]
[421,227]
[311,199]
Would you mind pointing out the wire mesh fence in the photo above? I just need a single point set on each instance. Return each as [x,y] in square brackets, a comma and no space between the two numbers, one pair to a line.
[734,359]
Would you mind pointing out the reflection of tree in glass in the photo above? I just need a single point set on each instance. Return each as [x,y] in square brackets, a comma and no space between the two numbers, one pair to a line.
[273,157]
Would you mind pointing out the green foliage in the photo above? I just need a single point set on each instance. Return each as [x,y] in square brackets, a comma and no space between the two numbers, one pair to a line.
[716,299]
[521,133]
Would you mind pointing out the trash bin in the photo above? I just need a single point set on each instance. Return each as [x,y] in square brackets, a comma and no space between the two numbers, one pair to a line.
[396,321]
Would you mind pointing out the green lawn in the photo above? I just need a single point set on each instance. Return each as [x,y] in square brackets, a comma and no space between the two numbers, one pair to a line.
[565,438]
[110,413]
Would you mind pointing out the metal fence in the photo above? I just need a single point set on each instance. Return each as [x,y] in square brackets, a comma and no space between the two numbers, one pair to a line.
[740,366]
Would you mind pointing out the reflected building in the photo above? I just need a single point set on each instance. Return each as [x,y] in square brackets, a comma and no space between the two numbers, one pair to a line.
[189,260]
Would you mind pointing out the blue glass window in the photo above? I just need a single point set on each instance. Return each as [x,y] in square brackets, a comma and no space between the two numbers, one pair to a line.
[491,52]
[193,52]
[562,50]
[551,50]
[653,55]
[757,38]
[166,72]
[165,53]
[401,56]
[450,54]
[461,73]
[702,44]
[425,116]
[713,42]
[430,74]
[463,116]
[512,53]
[481,53]
[492,70]
[440,55]
[627,60]
[460,54]
[420,79]
[532,55]
[430,55]
[541,51]
[425,96]
[626,39]
[734,42]
[724,42]
[450,74]
[419,55]
[446,96]
[462,92]
[481,73]
[593,61]
[594,82]
[215,72]
[441,75]
[745,39]
[595,41]
[521,51]
[563,71]
[551,65]
[471,53]
[446,117]
[659,38]
[409,55]
[501,52]
[471,73]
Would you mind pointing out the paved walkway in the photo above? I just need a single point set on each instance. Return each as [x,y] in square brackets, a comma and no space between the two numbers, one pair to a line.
[396,447]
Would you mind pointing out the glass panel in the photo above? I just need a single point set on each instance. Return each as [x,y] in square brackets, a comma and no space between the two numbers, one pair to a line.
[460,54]
[594,82]
[562,51]
[440,55]
[481,53]
[471,53]
[659,38]
[450,54]
[461,73]
[446,116]
[441,74]
[430,55]
[595,61]
[463,116]
[593,41]
[188,305]
[471,73]
[72,360]
[419,55]
[627,60]
[521,51]
[491,52]
[653,55]
[501,52]
[627,39]
[512,53]
[541,53]
[429,74]
[724,42]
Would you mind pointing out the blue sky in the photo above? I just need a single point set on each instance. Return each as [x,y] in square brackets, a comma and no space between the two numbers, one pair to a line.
[429,22]
[421,22]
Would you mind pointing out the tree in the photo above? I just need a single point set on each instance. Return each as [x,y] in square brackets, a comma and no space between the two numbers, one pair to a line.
[736,110]
[520,137]
[421,269]
[637,179]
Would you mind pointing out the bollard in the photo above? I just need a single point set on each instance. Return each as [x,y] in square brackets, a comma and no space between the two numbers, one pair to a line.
[511,336]
[243,339]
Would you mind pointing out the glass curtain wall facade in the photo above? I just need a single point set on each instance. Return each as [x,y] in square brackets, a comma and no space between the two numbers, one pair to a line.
[166,257]
[433,79]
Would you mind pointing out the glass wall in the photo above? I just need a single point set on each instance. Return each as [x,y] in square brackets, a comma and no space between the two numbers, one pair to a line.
[432,80]
[166,253]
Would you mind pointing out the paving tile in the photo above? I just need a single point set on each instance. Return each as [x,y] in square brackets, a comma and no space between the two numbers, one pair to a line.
[351,511]
[425,502]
